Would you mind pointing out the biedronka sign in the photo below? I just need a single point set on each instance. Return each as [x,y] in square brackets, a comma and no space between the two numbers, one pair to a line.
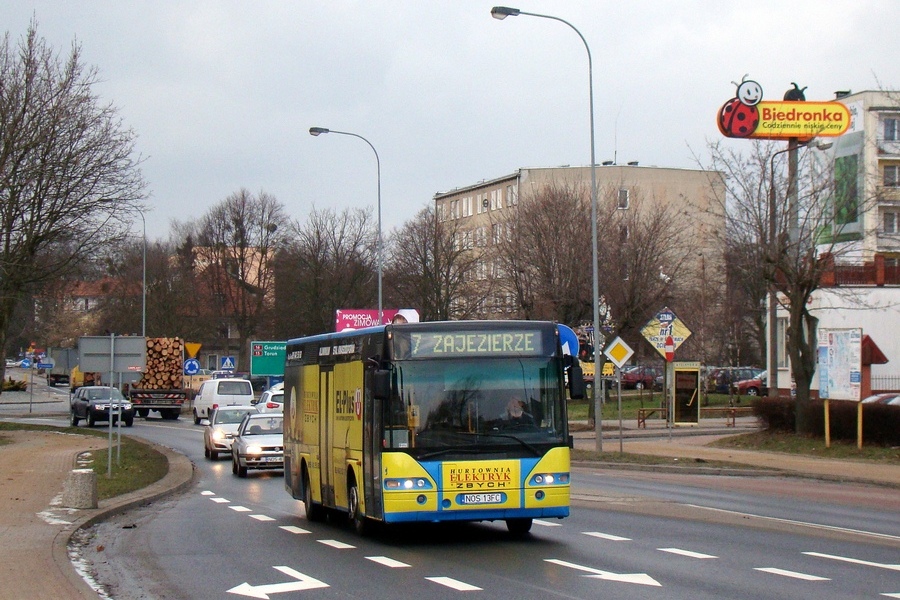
[747,115]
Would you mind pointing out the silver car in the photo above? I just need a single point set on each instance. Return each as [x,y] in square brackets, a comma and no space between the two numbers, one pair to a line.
[219,430]
[258,443]
[271,401]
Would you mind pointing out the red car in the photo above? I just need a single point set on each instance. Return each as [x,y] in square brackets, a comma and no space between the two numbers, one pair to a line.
[639,377]
[757,386]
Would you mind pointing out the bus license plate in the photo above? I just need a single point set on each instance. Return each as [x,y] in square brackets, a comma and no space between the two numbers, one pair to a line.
[482,499]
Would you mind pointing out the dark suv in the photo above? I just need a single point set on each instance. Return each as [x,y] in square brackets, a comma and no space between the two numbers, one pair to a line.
[92,403]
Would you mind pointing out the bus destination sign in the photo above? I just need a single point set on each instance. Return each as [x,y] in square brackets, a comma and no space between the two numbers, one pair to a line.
[476,343]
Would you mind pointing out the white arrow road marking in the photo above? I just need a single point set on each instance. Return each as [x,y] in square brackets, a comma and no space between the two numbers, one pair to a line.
[855,561]
[388,562]
[793,574]
[897,595]
[688,553]
[607,536]
[638,578]
[293,529]
[336,544]
[304,582]
[459,586]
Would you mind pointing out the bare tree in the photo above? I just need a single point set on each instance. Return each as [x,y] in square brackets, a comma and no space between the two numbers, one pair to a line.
[810,213]
[68,181]
[546,255]
[643,261]
[431,265]
[237,242]
[329,264]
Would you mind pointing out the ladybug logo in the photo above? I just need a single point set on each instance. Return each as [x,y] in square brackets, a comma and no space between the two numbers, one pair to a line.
[739,116]
[357,403]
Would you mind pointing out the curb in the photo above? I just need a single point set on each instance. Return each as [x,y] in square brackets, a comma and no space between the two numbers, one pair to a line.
[181,475]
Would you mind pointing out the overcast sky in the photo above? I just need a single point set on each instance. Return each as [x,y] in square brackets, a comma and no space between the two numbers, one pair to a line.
[222,93]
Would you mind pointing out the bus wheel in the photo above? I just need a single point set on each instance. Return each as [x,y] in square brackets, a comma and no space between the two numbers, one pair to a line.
[518,526]
[314,512]
[360,522]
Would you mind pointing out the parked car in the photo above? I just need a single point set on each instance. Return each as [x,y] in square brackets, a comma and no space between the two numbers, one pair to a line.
[258,443]
[12,362]
[720,379]
[93,404]
[220,428]
[756,386]
[639,377]
[270,401]
[891,399]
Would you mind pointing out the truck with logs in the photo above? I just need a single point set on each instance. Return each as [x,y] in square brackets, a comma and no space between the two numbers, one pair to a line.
[161,386]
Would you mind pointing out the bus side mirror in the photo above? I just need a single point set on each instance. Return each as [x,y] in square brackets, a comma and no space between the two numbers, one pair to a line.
[381,384]
[576,381]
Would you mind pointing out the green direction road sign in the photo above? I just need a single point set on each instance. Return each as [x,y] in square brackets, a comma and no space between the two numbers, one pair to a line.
[267,359]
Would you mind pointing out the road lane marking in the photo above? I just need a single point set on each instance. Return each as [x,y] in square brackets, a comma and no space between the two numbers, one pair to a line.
[883,536]
[688,553]
[336,544]
[303,582]
[239,508]
[293,529]
[897,595]
[220,500]
[638,578]
[388,562]
[794,574]
[546,523]
[855,561]
[606,536]
[262,517]
[457,585]
[207,493]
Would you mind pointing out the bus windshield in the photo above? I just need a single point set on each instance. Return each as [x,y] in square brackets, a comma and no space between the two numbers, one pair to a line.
[465,405]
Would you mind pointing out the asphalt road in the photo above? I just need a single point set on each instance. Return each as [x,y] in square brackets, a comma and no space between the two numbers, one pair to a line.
[630,536]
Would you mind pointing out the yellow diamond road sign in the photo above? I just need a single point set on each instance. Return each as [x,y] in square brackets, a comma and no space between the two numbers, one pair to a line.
[619,352]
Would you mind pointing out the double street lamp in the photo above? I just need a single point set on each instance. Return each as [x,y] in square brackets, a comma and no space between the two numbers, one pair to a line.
[316,131]
[500,13]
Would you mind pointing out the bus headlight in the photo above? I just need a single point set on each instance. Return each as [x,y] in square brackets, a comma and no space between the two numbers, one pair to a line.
[415,483]
[549,479]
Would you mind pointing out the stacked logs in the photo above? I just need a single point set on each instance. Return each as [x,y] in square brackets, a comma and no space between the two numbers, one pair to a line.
[164,364]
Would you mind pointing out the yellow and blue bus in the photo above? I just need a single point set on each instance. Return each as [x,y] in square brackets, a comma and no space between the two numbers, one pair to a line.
[430,422]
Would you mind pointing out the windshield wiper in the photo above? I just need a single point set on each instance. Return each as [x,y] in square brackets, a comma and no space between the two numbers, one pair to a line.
[513,437]
[449,451]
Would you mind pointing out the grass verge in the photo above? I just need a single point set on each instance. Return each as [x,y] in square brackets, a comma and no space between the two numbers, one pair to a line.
[138,464]
[790,443]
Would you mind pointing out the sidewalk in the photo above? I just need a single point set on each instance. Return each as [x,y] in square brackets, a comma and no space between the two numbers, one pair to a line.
[34,527]
[689,446]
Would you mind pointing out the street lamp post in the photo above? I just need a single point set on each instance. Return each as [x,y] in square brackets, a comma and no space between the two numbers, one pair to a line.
[500,13]
[793,147]
[315,131]
[144,278]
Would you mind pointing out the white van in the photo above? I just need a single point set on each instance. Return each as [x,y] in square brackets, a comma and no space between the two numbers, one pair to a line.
[221,392]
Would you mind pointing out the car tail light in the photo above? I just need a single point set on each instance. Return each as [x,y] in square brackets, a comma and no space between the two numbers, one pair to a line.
[272,405]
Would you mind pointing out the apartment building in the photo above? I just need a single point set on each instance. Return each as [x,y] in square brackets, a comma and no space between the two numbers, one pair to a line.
[482,210]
